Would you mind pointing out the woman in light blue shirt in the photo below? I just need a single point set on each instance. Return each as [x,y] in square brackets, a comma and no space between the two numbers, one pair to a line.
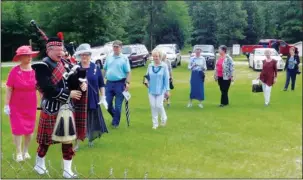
[158,87]
[197,65]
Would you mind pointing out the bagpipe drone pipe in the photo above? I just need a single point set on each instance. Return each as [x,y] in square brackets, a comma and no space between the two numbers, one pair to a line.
[74,72]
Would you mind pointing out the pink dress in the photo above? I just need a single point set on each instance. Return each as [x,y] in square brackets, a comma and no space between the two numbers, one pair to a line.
[23,102]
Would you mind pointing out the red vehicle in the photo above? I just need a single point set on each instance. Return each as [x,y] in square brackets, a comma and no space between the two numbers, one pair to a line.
[281,46]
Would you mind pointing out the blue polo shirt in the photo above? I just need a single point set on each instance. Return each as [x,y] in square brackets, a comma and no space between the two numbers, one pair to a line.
[116,67]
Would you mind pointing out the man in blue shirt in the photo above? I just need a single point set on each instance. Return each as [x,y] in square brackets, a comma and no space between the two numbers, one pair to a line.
[117,72]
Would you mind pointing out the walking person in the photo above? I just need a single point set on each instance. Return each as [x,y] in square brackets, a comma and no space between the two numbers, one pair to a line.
[95,125]
[170,70]
[20,88]
[224,71]
[117,72]
[57,92]
[268,75]
[291,68]
[158,87]
[197,65]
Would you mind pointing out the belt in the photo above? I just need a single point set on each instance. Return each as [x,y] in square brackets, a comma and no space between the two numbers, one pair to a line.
[118,81]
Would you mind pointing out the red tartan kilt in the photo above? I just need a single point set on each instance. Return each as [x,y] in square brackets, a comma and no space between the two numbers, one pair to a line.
[45,128]
[47,124]
[81,116]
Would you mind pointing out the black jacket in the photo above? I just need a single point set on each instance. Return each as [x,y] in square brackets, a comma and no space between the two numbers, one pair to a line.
[297,58]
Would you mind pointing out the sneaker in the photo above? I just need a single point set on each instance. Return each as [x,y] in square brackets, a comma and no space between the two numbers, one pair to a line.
[155,127]
[26,156]
[221,105]
[163,124]
[284,89]
[189,105]
[19,157]
[200,106]
[266,104]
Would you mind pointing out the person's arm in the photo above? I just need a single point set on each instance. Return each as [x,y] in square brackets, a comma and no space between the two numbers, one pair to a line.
[298,61]
[190,64]
[232,68]
[204,63]
[9,87]
[275,69]
[101,82]
[286,63]
[127,70]
[8,95]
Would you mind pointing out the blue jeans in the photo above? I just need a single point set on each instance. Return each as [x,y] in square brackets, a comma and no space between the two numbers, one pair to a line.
[290,75]
[115,89]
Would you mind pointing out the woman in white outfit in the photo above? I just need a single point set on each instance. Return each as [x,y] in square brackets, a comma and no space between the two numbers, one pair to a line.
[158,87]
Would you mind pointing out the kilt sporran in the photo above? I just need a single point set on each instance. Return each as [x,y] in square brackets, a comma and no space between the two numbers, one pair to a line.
[65,127]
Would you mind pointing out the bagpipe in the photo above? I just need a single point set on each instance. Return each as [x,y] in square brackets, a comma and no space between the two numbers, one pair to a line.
[65,126]
[69,50]
[72,68]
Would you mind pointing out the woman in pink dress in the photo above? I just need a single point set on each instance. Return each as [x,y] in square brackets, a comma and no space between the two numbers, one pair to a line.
[21,100]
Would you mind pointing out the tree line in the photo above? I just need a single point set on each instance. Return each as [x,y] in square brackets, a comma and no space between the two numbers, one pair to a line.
[150,22]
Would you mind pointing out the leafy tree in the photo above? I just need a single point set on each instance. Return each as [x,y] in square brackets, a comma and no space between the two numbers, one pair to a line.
[290,24]
[204,25]
[231,21]
[255,23]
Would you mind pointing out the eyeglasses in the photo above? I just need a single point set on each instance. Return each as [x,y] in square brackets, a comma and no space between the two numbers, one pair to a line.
[84,54]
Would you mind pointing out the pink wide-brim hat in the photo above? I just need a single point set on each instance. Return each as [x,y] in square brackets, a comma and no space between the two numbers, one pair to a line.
[25,50]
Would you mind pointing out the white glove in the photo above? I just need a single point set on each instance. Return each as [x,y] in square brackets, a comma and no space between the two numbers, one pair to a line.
[75,67]
[7,110]
[104,102]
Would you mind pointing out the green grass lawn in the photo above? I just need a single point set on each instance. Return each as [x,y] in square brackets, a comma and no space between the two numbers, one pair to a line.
[244,140]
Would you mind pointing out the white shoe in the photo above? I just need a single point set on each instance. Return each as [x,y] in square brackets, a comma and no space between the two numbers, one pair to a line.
[40,167]
[155,127]
[189,105]
[19,157]
[26,156]
[200,106]
[67,171]
[163,123]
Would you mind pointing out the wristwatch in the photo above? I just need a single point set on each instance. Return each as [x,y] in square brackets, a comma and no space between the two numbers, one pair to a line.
[127,82]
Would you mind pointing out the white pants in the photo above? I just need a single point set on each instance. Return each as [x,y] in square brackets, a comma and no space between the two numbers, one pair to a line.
[266,91]
[156,104]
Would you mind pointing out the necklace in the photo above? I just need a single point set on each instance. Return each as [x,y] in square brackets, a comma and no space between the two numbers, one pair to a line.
[25,80]
[156,71]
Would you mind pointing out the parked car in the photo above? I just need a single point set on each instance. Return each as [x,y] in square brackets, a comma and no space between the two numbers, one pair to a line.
[170,55]
[257,56]
[279,45]
[136,53]
[176,53]
[99,55]
[208,52]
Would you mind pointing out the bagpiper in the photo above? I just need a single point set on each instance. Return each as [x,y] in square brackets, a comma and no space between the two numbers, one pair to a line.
[63,106]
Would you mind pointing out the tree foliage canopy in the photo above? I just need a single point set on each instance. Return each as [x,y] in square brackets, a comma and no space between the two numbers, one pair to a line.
[181,22]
